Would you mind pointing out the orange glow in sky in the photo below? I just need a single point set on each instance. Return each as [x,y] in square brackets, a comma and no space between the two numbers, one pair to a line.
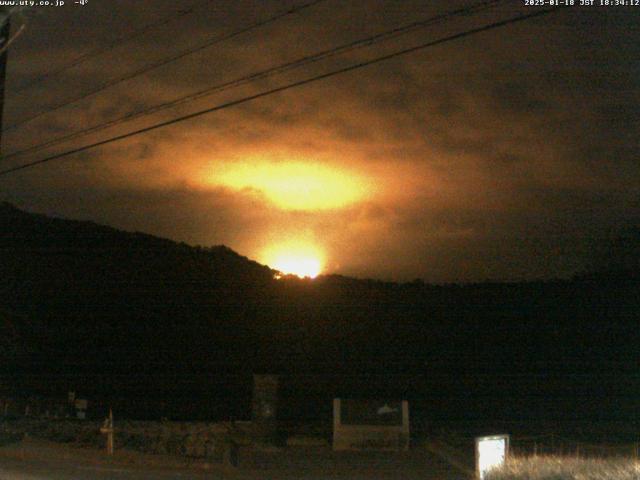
[295,185]
[294,258]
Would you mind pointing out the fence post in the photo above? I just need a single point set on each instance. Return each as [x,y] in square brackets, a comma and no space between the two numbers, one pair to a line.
[107,428]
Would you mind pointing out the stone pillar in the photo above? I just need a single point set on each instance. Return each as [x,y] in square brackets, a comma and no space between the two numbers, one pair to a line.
[265,407]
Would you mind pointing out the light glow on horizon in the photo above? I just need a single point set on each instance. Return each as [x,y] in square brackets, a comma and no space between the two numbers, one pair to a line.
[295,185]
[299,259]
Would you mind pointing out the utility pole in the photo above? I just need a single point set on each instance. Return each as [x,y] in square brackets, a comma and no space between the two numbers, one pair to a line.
[5,31]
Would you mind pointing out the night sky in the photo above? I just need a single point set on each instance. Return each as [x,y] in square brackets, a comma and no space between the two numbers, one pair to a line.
[509,154]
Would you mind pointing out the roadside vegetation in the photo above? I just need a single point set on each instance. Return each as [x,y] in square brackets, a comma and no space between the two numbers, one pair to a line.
[567,468]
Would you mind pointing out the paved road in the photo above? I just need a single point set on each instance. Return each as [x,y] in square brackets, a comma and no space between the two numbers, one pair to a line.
[42,461]
[31,469]
[17,469]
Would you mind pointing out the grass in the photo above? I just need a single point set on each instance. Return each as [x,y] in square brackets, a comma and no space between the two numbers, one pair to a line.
[567,468]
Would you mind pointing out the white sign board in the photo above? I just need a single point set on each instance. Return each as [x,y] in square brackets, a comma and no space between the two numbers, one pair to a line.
[491,452]
[370,424]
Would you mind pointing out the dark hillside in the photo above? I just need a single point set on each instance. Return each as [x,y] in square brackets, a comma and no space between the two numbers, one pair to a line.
[77,297]
[117,296]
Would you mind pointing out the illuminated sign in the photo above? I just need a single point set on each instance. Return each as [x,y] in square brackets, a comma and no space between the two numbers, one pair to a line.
[491,452]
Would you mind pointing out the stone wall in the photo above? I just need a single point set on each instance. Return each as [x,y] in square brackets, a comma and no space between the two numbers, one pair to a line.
[211,441]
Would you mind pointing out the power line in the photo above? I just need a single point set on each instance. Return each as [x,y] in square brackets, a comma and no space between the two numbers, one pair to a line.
[357,44]
[113,44]
[13,38]
[146,69]
[299,83]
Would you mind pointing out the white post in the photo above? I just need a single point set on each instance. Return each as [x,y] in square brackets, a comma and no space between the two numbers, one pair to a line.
[107,428]
[405,425]
[110,434]
[336,422]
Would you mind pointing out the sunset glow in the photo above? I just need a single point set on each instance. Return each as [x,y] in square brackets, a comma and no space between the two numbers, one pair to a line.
[295,259]
[295,185]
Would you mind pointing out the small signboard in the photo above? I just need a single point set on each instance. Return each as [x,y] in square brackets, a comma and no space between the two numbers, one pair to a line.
[370,424]
[491,452]
[81,405]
